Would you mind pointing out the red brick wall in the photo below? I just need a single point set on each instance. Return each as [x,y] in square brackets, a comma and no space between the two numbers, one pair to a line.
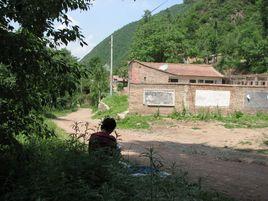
[137,72]
[185,97]
[141,74]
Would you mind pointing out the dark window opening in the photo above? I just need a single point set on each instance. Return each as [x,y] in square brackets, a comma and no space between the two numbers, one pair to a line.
[173,80]
[209,81]
[200,81]
[144,79]
[192,81]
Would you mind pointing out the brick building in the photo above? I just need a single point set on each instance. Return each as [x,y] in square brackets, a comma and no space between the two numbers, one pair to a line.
[149,72]
[167,87]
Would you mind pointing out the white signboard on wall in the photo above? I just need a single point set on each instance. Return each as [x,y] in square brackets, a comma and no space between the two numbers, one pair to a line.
[209,98]
[159,97]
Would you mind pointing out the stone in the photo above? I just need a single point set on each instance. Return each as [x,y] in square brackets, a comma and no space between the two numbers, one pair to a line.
[122,115]
[103,107]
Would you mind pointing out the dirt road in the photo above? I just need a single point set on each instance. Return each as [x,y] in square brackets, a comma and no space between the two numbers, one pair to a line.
[226,160]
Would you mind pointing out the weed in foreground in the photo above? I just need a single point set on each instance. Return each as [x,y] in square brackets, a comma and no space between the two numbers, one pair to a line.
[265,142]
[234,120]
[57,169]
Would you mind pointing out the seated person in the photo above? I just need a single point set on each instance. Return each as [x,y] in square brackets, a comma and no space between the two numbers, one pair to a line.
[103,140]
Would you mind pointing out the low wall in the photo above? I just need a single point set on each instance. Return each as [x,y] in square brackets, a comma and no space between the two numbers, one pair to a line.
[149,98]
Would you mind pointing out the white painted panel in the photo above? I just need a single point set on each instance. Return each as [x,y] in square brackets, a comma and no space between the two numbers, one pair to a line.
[209,98]
[159,97]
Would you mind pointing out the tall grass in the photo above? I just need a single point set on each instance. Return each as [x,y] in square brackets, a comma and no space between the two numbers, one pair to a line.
[56,169]
[117,104]
[136,122]
[233,120]
[60,133]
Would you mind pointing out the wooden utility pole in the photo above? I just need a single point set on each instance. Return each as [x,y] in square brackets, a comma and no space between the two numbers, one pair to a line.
[111,69]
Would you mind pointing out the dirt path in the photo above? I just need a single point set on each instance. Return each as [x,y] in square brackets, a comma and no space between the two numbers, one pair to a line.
[82,115]
[205,150]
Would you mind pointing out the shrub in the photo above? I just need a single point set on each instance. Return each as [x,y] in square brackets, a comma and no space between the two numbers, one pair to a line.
[57,170]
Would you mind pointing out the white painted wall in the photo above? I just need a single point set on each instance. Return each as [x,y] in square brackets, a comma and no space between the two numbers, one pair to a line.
[209,98]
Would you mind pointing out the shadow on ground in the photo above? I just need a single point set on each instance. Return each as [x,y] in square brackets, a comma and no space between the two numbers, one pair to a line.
[240,174]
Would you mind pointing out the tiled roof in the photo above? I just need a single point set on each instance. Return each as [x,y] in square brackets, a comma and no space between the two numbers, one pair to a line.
[202,70]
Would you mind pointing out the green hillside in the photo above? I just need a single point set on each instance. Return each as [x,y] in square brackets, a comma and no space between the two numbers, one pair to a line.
[122,42]
[230,34]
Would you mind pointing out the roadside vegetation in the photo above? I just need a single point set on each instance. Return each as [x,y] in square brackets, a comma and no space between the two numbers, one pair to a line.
[59,133]
[233,120]
[119,104]
[57,169]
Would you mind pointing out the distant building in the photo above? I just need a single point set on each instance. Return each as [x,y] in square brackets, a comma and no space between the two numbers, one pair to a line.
[251,80]
[165,88]
[119,80]
[149,72]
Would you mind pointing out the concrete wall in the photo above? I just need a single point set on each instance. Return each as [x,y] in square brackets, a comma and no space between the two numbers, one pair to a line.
[248,99]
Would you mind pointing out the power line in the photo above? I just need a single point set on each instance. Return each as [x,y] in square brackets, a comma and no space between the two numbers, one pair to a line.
[159,6]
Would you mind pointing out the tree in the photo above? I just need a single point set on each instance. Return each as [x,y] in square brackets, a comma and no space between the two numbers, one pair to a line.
[31,73]
[264,16]
[158,40]
[122,71]
[64,85]
[97,80]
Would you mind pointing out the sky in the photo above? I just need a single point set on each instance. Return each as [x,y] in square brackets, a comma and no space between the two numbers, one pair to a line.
[106,16]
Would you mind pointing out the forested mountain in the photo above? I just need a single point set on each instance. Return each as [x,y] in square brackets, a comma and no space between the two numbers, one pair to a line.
[229,33]
[122,42]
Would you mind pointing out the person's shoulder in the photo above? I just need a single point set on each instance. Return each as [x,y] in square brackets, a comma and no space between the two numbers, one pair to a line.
[112,137]
[95,135]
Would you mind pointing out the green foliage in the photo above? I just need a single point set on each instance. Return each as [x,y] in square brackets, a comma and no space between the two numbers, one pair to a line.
[137,121]
[232,34]
[53,113]
[31,74]
[122,41]
[156,39]
[120,86]
[64,86]
[58,170]
[117,104]
[97,81]
[60,133]
[263,5]
[234,120]
[121,71]
[206,29]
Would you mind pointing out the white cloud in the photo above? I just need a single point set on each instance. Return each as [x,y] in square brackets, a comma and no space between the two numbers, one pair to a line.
[73,21]
[77,50]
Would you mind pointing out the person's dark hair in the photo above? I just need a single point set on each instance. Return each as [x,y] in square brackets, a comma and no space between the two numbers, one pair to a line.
[108,124]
